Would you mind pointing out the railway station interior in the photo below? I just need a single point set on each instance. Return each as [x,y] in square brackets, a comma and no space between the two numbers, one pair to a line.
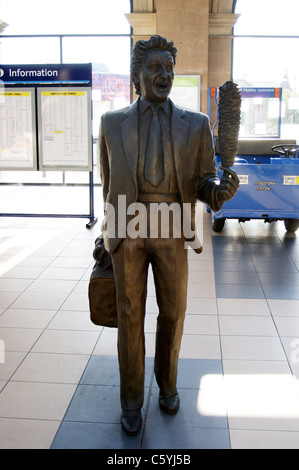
[238,376]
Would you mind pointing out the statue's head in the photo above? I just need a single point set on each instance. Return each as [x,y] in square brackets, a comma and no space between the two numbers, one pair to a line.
[152,68]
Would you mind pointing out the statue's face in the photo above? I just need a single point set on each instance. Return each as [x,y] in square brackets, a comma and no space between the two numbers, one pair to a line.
[156,76]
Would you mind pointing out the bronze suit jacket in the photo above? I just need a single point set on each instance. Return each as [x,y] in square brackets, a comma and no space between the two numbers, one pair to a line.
[194,161]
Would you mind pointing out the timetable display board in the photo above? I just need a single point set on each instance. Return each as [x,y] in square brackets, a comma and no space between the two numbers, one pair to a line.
[64,128]
[17,129]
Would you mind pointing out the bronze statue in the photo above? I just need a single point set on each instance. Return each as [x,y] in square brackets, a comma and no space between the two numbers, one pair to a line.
[154,152]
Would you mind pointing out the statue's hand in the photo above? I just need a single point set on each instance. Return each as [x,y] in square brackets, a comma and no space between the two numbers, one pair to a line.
[228,186]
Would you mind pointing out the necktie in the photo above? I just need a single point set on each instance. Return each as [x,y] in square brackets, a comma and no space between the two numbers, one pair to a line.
[154,164]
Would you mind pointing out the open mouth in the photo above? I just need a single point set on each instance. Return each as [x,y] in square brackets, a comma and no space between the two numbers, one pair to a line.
[162,87]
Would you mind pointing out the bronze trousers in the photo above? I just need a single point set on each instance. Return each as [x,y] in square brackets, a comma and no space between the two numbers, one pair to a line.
[131,260]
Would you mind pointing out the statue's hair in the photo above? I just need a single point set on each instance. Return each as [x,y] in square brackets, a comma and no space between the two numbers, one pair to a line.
[140,50]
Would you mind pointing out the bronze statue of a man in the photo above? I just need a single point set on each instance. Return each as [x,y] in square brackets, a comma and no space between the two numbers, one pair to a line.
[154,152]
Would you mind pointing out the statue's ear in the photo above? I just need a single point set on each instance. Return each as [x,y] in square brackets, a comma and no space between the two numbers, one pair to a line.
[135,77]
[135,80]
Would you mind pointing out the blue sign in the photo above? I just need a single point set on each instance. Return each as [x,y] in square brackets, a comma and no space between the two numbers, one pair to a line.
[250,92]
[46,74]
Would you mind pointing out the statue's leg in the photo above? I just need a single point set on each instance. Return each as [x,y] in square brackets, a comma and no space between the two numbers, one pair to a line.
[130,262]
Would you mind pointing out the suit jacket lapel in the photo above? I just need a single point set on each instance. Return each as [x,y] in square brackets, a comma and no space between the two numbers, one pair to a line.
[129,130]
[179,133]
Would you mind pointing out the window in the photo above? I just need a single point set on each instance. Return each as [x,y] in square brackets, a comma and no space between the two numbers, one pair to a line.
[266,38]
[36,17]
[72,31]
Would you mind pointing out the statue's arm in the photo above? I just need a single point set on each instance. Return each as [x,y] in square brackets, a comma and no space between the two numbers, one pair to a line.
[210,189]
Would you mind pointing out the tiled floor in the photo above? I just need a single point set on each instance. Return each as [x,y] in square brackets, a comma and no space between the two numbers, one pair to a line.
[239,361]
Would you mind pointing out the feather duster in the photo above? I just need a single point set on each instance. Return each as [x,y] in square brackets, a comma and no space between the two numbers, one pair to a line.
[229,117]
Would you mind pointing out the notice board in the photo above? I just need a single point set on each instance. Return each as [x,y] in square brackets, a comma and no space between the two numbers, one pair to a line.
[45,117]
[186,91]
[64,128]
[17,129]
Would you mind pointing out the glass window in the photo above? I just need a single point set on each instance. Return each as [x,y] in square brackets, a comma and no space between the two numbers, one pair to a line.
[29,50]
[108,54]
[65,16]
[267,17]
[265,44]
[266,61]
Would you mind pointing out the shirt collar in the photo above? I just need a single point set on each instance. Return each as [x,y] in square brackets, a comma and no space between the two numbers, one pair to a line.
[144,104]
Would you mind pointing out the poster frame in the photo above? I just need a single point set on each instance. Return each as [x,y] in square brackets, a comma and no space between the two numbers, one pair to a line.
[65,166]
[33,161]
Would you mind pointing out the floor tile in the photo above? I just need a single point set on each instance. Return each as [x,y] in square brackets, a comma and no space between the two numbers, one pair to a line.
[253,307]
[284,307]
[206,306]
[63,273]
[95,404]
[76,302]
[26,318]
[200,347]
[238,265]
[278,411]
[243,291]
[191,425]
[14,285]
[246,376]
[281,292]
[23,272]
[73,320]
[19,339]
[42,261]
[80,435]
[51,368]
[170,437]
[66,342]
[53,286]
[280,266]
[107,343]
[196,290]
[11,362]
[104,370]
[200,374]
[291,347]
[72,262]
[35,400]
[201,325]
[252,348]
[247,325]
[36,300]
[277,278]
[287,326]
[198,409]
[27,433]
[7,298]
[236,277]
[255,439]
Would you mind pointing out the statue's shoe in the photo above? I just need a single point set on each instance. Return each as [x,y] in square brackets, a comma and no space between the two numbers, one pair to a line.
[131,422]
[169,404]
